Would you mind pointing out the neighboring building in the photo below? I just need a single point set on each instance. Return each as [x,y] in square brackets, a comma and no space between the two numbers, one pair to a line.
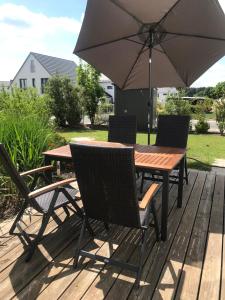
[38,68]
[109,89]
[4,85]
[163,93]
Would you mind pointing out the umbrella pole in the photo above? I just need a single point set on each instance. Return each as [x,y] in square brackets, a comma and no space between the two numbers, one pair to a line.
[150,102]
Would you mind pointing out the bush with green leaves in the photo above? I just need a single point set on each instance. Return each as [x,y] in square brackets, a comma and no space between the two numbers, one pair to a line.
[202,125]
[90,90]
[220,114]
[104,110]
[177,106]
[65,104]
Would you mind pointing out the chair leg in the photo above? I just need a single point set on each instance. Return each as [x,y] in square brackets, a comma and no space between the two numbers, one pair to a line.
[143,245]
[18,217]
[186,170]
[89,228]
[142,182]
[106,226]
[77,251]
[156,223]
[35,242]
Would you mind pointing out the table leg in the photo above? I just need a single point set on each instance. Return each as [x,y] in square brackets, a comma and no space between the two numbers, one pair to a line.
[47,161]
[180,184]
[165,198]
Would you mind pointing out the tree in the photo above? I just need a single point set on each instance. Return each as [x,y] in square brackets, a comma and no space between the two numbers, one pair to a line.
[219,90]
[54,88]
[90,89]
[65,102]
[220,115]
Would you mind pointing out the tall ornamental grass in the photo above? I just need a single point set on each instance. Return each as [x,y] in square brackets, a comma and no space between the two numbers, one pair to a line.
[26,131]
[25,127]
[25,138]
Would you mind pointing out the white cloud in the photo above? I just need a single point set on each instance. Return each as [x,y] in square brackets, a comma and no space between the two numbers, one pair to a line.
[22,31]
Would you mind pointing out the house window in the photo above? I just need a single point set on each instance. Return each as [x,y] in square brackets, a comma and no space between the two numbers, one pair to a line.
[32,66]
[33,82]
[23,83]
[43,83]
[109,87]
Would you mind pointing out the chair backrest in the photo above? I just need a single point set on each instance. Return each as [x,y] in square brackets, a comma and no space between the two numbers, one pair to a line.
[106,179]
[12,172]
[122,129]
[172,131]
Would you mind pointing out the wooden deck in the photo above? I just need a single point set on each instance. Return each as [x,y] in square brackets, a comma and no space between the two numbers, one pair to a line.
[189,265]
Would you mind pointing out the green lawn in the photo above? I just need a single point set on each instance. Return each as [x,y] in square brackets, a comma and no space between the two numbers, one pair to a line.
[205,148]
[210,116]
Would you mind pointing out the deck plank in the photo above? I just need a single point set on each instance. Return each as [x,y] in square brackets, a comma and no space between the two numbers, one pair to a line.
[190,264]
[171,272]
[10,242]
[191,271]
[57,273]
[14,249]
[210,281]
[157,258]
[18,274]
[99,288]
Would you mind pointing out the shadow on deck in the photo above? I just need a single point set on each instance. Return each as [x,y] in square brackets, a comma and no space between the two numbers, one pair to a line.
[189,265]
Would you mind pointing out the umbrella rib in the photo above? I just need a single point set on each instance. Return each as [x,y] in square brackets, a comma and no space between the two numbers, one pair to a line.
[139,43]
[184,81]
[126,11]
[112,41]
[132,67]
[195,36]
[166,14]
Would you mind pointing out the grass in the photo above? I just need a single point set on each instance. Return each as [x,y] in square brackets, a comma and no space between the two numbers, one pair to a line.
[205,148]
[210,116]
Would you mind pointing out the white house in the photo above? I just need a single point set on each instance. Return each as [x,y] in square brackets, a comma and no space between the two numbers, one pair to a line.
[38,68]
[163,93]
[4,85]
[109,88]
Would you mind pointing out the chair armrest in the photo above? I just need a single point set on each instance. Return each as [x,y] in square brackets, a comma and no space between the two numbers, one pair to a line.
[50,187]
[148,196]
[38,170]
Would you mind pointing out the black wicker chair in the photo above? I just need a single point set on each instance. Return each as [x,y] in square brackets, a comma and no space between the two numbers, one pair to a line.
[45,200]
[106,179]
[172,132]
[122,129]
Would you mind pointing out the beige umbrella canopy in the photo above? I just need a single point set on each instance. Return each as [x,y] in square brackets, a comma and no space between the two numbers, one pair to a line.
[180,38]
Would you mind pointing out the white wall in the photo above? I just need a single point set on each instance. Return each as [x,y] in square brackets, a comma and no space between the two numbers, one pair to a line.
[105,84]
[162,93]
[25,73]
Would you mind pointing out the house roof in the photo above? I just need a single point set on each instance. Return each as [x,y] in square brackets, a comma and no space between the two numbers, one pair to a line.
[55,65]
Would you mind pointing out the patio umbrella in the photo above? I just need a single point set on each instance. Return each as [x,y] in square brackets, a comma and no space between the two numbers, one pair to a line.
[152,43]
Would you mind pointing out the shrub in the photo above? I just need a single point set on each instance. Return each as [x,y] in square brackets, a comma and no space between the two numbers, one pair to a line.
[73,107]
[104,110]
[90,89]
[177,106]
[202,126]
[220,115]
[65,104]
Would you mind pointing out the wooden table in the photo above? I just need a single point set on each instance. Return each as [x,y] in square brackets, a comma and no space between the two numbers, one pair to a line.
[162,159]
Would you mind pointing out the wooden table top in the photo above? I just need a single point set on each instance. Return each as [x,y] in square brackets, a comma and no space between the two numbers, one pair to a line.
[149,157]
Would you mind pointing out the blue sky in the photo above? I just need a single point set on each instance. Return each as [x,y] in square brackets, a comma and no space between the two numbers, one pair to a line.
[52,27]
